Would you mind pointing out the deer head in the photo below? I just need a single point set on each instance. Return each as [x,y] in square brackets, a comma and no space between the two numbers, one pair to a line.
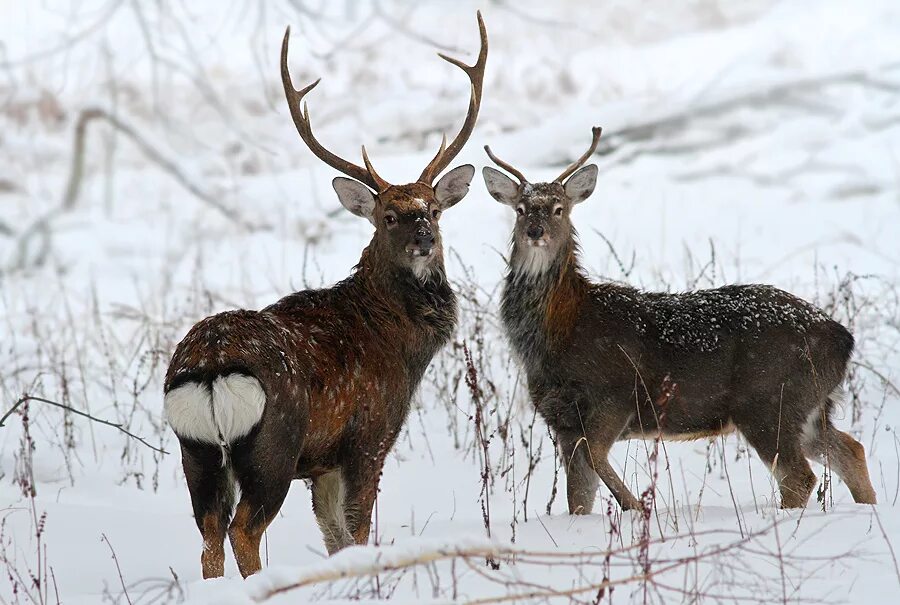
[405,216]
[543,229]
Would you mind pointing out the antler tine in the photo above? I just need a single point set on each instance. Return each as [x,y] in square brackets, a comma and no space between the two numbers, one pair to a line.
[505,166]
[382,184]
[476,77]
[304,128]
[596,130]
[437,156]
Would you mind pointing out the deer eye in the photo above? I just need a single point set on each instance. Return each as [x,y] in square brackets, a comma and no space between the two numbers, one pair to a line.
[557,211]
[435,213]
[520,211]
[390,219]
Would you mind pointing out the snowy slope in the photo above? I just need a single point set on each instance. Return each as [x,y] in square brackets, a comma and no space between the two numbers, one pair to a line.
[743,142]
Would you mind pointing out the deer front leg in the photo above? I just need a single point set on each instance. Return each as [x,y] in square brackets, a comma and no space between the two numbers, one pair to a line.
[361,480]
[581,480]
[329,506]
[600,441]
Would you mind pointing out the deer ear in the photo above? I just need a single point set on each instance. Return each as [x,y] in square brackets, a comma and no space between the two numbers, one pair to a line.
[501,187]
[581,185]
[356,197]
[453,186]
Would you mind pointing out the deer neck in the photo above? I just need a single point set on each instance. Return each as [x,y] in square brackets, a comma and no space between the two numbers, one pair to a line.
[425,304]
[540,308]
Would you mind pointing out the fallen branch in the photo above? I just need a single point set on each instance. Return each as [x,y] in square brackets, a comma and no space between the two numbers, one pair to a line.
[350,564]
[337,572]
[115,425]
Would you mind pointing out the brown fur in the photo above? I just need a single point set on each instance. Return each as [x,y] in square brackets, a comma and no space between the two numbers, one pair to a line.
[213,557]
[338,367]
[563,306]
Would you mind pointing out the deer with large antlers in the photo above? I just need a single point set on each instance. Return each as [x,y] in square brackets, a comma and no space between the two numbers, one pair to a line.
[606,362]
[318,385]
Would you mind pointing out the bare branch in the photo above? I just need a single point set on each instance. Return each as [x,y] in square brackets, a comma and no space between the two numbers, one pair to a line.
[115,425]
[152,153]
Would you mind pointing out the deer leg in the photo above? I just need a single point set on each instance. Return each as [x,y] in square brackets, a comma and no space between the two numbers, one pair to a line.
[328,498]
[850,463]
[781,450]
[362,478]
[846,455]
[600,439]
[796,480]
[264,474]
[581,480]
[254,513]
[212,497]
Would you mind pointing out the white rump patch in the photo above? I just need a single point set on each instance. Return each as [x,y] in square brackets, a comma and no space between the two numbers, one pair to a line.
[229,412]
[189,412]
[238,403]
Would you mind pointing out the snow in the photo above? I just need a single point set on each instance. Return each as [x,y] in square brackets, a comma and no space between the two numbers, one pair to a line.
[744,142]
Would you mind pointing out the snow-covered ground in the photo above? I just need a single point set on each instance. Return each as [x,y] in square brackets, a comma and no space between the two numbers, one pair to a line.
[751,141]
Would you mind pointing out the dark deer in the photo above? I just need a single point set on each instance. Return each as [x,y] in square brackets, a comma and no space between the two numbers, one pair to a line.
[318,385]
[607,362]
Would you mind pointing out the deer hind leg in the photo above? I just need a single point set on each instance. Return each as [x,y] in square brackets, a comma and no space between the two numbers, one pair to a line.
[780,449]
[849,457]
[328,499]
[260,502]
[211,486]
[264,474]
[581,480]
[796,480]
[846,455]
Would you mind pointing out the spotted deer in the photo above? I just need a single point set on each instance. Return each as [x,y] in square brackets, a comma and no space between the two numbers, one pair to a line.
[607,362]
[318,385]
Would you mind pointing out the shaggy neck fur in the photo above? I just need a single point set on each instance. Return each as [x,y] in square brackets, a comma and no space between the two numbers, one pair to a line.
[541,299]
[424,300]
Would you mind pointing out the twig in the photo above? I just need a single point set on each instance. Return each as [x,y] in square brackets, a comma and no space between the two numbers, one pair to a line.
[484,440]
[80,413]
[888,542]
[884,379]
[538,517]
[115,559]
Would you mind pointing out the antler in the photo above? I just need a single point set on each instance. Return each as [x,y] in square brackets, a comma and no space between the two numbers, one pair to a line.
[475,72]
[596,130]
[505,166]
[365,175]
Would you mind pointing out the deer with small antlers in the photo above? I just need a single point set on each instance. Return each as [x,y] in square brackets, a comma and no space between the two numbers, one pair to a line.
[318,385]
[606,362]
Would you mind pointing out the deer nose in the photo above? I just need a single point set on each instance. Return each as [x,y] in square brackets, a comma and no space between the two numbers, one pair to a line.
[424,238]
[535,231]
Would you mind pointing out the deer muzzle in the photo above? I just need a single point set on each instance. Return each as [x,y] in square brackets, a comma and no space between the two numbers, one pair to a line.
[535,233]
[423,242]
